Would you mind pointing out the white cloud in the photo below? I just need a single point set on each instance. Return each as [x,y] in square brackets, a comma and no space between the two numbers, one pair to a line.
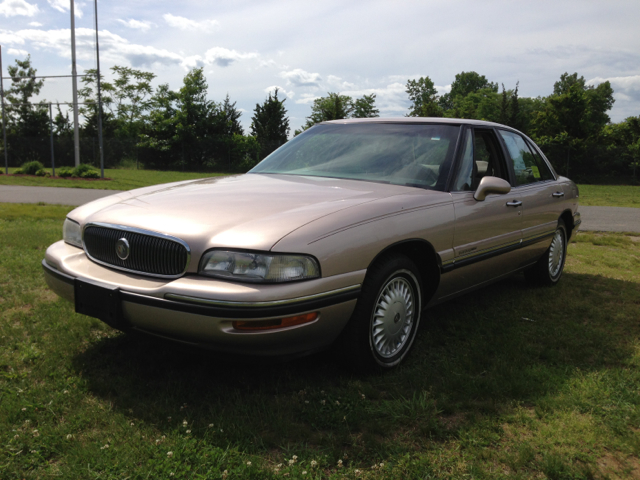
[12,8]
[301,78]
[10,38]
[338,84]
[186,24]
[141,25]
[64,6]
[35,24]
[17,52]
[307,99]
[224,57]
[631,82]
[113,48]
[272,90]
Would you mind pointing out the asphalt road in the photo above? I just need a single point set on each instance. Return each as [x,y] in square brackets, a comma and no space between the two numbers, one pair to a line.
[53,195]
[602,219]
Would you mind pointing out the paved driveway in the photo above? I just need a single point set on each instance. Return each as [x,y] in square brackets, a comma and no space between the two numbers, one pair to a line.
[54,195]
[603,219]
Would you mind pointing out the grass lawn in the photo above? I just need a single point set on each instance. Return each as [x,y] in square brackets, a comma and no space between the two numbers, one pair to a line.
[507,382]
[590,195]
[610,195]
[121,179]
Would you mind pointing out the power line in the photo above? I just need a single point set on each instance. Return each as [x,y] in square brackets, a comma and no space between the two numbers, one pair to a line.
[49,76]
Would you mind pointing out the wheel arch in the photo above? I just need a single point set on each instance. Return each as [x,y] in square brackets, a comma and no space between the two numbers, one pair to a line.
[567,218]
[423,254]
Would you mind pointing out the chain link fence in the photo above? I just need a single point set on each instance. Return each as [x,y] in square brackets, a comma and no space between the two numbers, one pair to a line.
[222,153]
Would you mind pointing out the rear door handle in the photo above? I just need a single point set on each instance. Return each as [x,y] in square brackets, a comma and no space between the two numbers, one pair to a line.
[557,194]
[514,203]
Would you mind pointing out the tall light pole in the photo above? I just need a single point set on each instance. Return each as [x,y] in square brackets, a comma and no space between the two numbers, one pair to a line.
[4,120]
[74,79]
[99,96]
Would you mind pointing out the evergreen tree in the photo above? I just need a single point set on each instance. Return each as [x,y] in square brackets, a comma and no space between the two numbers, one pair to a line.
[269,124]
[231,117]
[26,119]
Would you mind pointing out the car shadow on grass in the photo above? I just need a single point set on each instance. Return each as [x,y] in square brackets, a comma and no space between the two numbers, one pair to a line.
[477,357]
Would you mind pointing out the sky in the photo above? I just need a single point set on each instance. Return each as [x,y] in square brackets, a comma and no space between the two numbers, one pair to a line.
[309,48]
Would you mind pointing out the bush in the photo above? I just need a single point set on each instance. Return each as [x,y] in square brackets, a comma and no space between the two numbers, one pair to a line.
[65,172]
[18,171]
[42,173]
[31,168]
[85,171]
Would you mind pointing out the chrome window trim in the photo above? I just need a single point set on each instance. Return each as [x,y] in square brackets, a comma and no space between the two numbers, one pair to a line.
[272,303]
[140,231]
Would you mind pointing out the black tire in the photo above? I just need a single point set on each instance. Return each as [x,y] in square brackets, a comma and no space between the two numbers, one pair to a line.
[379,336]
[548,269]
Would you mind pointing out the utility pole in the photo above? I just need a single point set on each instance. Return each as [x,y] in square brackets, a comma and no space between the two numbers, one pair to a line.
[53,160]
[4,120]
[99,96]
[74,79]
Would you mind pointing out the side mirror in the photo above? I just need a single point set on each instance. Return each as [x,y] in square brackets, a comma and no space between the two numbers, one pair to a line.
[491,185]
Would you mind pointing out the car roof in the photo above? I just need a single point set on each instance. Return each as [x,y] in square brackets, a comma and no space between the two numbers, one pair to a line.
[415,120]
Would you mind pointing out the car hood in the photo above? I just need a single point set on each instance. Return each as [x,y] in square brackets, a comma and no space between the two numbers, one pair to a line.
[251,211]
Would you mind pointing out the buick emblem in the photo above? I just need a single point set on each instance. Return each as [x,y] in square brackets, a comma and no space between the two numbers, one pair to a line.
[122,249]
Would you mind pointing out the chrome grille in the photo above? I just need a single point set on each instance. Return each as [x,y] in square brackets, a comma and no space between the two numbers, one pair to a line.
[150,253]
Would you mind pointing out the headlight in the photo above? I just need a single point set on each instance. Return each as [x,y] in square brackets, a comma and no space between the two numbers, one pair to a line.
[71,233]
[258,267]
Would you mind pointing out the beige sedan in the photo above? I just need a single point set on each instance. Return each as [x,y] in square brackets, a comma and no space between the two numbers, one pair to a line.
[349,231]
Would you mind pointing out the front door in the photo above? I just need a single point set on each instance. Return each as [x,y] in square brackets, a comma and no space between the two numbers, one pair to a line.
[486,232]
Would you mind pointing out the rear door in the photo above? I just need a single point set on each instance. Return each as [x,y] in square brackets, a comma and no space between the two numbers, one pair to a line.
[537,188]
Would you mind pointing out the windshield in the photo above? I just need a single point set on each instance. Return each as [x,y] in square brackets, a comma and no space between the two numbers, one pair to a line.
[401,154]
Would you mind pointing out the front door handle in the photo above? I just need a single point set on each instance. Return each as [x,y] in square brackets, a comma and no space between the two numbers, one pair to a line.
[514,203]
[557,194]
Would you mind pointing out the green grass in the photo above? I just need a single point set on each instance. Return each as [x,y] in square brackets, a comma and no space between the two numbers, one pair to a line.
[508,382]
[121,179]
[610,195]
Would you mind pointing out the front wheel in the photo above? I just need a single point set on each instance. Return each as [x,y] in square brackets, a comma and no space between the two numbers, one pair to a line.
[386,318]
[548,269]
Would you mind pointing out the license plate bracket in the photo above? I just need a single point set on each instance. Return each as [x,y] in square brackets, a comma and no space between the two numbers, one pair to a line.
[99,301]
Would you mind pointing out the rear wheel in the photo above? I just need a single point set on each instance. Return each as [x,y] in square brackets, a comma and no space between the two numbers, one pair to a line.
[548,269]
[386,318]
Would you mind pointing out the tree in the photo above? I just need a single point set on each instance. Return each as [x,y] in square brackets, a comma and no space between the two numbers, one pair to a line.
[269,124]
[231,117]
[332,107]
[27,119]
[470,82]
[365,107]
[424,98]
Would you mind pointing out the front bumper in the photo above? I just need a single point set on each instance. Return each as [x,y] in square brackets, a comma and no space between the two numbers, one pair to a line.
[200,311]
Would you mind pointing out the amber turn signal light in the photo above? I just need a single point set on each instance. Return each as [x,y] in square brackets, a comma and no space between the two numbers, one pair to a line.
[275,323]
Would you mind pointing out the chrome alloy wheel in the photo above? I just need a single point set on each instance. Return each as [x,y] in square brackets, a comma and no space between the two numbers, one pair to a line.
[393,315]
[556,253]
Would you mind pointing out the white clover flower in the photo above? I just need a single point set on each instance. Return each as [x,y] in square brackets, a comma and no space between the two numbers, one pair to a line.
[224,474]
[337,402]
[132,424]
[188,431]
[169,454]
[16,436]
[184,423]
[248,464]
[69,436]
[363,397]
[381,464]
[221,431]
[357,472]
[171,474]
[279,465]
[105,447]
[304,472]
[339,463]
[163,437]
[65,392]
[211,425]
[314,463]
[36,433]
[295,457]
[292,461]
[157,441]
[24,409]
[27,421]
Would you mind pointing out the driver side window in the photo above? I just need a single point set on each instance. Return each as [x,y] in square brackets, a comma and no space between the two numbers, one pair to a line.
[480,158]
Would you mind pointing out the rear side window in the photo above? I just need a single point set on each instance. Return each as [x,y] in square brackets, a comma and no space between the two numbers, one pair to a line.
[528,167]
